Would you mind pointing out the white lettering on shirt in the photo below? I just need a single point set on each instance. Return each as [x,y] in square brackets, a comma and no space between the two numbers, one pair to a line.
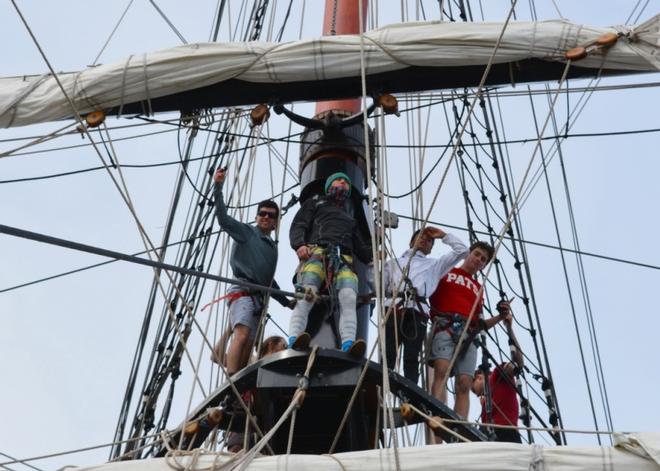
[461,280]
[469,284]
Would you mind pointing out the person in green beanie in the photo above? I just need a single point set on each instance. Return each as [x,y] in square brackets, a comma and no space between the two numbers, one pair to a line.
[325,236]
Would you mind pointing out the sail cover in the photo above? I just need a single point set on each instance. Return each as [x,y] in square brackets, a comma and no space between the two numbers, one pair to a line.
[146,77]
[640,452]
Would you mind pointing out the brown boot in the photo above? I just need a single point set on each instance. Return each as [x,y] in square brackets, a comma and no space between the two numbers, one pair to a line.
[301,342]
[358,348]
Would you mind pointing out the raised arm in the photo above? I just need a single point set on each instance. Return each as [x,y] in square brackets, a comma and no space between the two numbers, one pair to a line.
[505,315]
[518,358]
[458,251]
[237,230]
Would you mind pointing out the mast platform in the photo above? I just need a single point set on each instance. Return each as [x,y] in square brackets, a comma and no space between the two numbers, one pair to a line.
[333,378]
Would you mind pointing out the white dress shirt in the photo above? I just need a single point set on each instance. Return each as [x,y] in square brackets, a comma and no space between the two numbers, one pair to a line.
[424,272]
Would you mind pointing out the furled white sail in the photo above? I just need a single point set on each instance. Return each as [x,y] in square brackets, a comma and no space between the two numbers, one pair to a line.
[640,452]
[32,99]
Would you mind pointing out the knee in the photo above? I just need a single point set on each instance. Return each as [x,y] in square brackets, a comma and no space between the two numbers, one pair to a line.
[463,385]
[347,297]
[241,333]
[440,369]
[218,354]
[310,288]
[305,304]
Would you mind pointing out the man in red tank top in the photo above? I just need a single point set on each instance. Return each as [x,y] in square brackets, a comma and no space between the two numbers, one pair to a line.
[457,300]
[502,388]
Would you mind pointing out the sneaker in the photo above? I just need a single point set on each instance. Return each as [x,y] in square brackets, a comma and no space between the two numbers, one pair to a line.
[301,342]
[355,349]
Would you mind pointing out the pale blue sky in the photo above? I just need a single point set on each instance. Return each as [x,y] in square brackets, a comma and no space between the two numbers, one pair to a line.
[66,345]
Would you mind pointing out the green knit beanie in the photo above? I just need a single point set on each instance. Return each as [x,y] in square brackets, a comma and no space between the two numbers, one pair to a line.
[334,177]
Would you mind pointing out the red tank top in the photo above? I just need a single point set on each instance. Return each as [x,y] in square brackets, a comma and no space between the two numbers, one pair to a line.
[505,400]
[456,293]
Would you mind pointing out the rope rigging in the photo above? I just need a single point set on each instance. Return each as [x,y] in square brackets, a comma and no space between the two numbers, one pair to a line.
[223,149]
[121,184]
[483,169]
[582,280]
[188,257]
[487,209]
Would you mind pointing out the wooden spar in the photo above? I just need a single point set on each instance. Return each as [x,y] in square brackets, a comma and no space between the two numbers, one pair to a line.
[342,17]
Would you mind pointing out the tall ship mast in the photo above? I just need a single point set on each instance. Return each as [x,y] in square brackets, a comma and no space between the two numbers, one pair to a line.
[426,77]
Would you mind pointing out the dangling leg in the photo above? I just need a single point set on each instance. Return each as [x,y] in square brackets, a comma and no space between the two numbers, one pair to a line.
[347,285]
[311,278]
[413,333]
[465,366]
[347,316]
[442,349]
[244,316]
[392,339]
[298,338]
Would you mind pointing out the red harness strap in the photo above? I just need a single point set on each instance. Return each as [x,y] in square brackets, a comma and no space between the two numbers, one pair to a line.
[230,296]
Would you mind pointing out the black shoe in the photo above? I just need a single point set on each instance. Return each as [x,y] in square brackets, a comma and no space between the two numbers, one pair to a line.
[301,342]
[358,348]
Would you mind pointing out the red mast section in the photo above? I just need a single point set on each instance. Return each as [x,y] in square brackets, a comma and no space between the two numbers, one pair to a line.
[343,17]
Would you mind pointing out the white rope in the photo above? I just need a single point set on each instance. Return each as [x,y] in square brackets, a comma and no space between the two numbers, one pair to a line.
[459,136]
[112,33]
[374,248]
[554,148]
[469,114]
[440,424]
[500,237]
[148,244]
[351,401]
[534,429]
[245,461]
[334,458]
[70,452]
[125,196]
[464,126]
[40,140]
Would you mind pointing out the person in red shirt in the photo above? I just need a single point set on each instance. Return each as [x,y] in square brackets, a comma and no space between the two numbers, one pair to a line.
[502,389]
[457,300]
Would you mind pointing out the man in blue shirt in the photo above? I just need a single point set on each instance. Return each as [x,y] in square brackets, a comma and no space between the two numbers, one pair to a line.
[253,258]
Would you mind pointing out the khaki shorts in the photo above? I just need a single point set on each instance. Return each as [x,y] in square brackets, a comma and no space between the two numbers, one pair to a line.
[245,311]
[442,348]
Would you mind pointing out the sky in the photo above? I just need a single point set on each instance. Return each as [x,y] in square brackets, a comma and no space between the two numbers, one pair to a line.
[67,344]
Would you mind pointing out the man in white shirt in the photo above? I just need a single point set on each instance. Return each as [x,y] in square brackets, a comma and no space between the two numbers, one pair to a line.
[408,280]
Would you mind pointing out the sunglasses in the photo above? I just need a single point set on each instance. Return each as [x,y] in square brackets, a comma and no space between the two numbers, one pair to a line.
[268,214]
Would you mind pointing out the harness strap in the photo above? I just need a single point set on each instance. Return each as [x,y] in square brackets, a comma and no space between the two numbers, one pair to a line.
[429,338]
[472,334]
[454,325]
[230,296]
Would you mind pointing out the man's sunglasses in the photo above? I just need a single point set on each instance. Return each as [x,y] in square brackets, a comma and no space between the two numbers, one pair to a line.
[264,214]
